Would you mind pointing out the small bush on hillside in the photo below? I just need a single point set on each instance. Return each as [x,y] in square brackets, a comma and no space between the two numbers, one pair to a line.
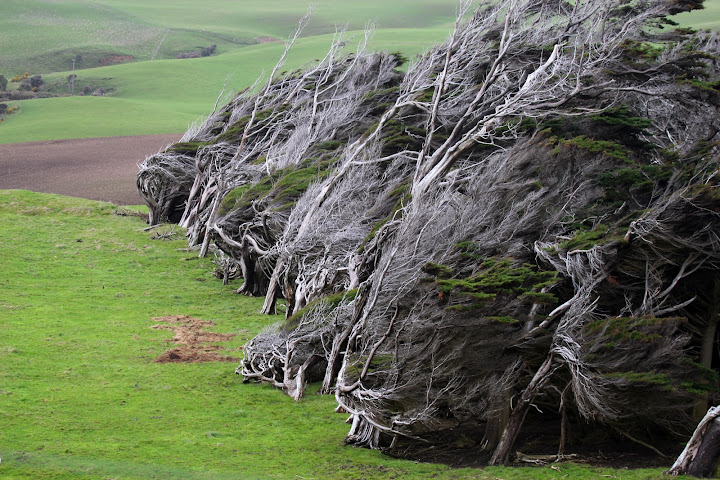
[31,83]
[3,83]
[207,51]
[20,78]
[204,52]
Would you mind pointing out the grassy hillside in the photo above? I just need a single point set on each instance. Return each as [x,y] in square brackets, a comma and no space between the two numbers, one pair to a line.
[709,18]
[164,96]
[81,395]
[41,36]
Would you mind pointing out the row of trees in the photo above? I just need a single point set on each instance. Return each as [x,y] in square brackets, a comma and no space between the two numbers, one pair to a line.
[525,219]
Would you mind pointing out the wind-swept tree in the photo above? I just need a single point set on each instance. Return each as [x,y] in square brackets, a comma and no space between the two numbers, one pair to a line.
[527,215]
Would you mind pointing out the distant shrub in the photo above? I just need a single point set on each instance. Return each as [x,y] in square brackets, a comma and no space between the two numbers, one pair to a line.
[207,51]
[5,110]
[20,78]
[99,92]
[71,78]
[36,81]
[19,95]
[86,90]
[3,83]
[204,52]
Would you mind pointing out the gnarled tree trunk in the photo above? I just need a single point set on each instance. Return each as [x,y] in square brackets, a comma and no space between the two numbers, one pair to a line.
[702,453]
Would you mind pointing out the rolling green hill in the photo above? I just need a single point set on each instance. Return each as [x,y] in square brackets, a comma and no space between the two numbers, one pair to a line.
[165,95]
[41,36]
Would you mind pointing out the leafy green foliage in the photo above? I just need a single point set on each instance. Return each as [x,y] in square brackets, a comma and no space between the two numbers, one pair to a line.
[608,148]
[585,239]
[282,187]
[620,329]
[186,148]
[644,378]
[622,117]
[496,278]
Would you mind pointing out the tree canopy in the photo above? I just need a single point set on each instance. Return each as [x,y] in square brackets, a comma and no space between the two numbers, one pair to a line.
[526,220]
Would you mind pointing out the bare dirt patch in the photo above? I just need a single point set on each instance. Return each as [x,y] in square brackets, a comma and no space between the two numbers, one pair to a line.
[195,344]
[94,168]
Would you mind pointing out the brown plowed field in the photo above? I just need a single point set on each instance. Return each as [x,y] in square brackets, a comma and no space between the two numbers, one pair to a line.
[94,168]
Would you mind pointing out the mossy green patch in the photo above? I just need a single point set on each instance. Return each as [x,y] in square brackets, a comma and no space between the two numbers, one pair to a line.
[280,189]
[496,277]
[622,117]
[634,329]
[643,378]
[186,148]
[586,239]
[356,364]
[328,302]
[605,147]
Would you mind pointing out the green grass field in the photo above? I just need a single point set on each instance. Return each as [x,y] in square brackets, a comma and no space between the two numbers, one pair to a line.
[80,394]
[165,95]
[45,36]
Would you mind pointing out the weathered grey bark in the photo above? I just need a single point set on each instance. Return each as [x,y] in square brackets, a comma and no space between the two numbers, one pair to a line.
[702,453]
[501,456]
[708,343]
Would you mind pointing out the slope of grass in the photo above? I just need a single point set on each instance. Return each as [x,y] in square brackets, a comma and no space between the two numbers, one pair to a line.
[41,36]
[80,394]
[35,32]
[165,95]
[708,18]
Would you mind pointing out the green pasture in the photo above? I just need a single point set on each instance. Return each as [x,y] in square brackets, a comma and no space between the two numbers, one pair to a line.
[164,96]
[708,18]
[82,398]
[43,36]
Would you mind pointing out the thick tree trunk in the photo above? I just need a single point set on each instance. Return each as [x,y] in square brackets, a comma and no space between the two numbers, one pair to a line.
[502,452]
[702,453]
[708,342]
[497,424]
[272,292]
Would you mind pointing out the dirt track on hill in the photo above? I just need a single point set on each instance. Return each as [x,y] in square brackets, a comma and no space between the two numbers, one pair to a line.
[94,168]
